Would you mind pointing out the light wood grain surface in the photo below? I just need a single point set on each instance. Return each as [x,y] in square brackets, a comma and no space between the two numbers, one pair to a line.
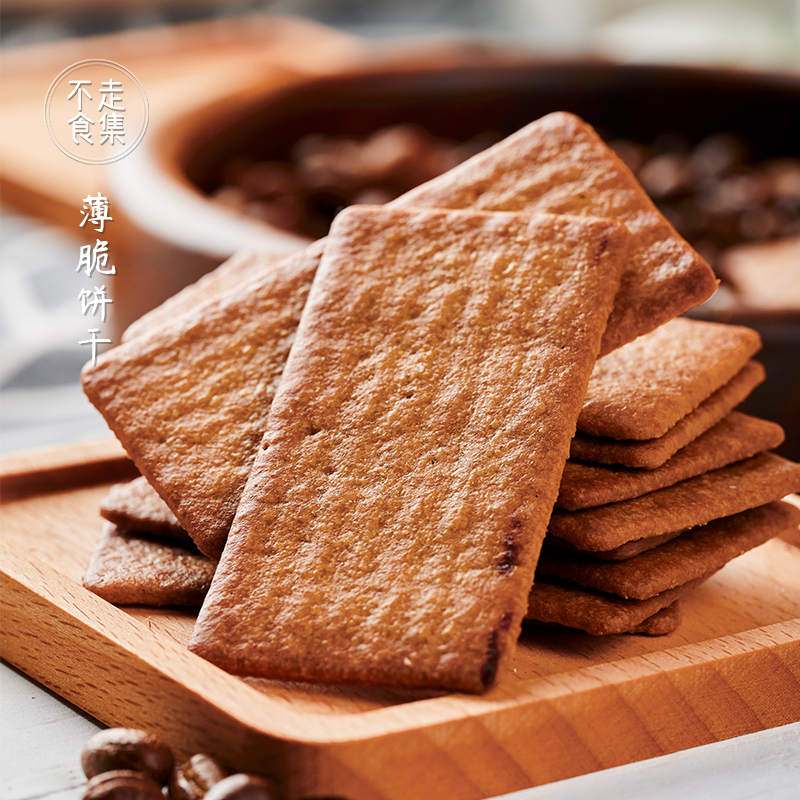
[572,704]
[42,737]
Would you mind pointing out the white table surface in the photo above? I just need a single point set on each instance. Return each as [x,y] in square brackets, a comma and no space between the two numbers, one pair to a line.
[42,738]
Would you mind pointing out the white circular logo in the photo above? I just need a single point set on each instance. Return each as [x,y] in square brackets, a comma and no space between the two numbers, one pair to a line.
[96,111]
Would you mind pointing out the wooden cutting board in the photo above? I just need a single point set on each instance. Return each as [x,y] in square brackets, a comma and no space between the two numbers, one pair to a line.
[573,704]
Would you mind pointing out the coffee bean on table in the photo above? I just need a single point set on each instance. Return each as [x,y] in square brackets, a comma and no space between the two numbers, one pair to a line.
[127,749]
[192,779]
[122,784]
[244,787]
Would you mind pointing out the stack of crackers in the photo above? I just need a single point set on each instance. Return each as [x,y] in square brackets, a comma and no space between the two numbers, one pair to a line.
[665,484]
[365,442]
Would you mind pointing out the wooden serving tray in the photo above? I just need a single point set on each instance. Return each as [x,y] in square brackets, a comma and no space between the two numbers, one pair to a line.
[572,704]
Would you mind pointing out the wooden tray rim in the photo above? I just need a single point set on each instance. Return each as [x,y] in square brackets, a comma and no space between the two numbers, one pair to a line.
[251,707]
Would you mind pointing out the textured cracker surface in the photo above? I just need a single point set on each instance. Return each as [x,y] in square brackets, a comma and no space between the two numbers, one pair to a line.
[391,524]
[736,437]
[621,553]
[238,270]
[596,612]
[136,506]
[189,401]
[653,453]
[692,554]
[559,165]
[643,389]
[194,392]
[729,490]
[130,568]
[662,622]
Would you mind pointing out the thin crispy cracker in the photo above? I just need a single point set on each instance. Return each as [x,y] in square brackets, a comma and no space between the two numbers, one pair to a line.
[188,400]
[643,389]
[736,437]
[134,568]
[627,550]
[721,493]
[414,449]
[688,556]
[596,612]
[662,622]
[136,506]
[559,165]
[653,453]
[237,271]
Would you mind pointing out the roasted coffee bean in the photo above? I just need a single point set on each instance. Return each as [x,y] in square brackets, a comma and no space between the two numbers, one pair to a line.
[244,787]
[129,749]
[122,784]
[192,779]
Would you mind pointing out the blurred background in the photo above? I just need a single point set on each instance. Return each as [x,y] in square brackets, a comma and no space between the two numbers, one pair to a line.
[255,107]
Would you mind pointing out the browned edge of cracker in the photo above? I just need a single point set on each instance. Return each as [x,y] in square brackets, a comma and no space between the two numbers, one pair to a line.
[690,555]
[662,622]
[595,612]
[720,493]
[737,436]
[653,453]
[377,262]
[624,551]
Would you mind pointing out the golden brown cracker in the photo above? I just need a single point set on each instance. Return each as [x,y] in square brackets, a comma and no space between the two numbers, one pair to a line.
[596,612]
[559,165]
[627,550]
[189,399]
[413,450]
[653,453]
[736,437]
[136,506]
[721,493]
[237,271]
[643,389]
[690,555]
[134,568]
[662,622]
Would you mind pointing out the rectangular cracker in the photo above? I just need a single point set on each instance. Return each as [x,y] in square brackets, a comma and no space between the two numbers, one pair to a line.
[736,437]
[559,165]
[690,555]
[136,506]
[414,449]
[662,622]
[132,568]
[653,453]
[643,389]
[188,400]
[595,612]
[238,270]
[720,493]
[624,551]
